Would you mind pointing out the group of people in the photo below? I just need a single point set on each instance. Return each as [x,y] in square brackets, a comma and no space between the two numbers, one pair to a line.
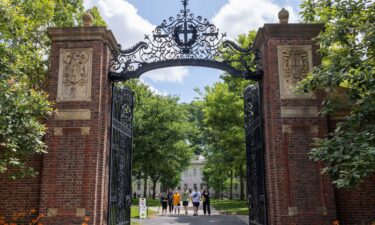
[172,201]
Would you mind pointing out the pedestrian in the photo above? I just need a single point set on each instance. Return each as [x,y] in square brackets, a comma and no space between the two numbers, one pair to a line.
[185,200]
[170,201]
[206,201]
[195,197]
[176,202]
[164,203]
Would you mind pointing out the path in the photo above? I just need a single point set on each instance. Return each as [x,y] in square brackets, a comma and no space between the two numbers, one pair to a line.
[215,219]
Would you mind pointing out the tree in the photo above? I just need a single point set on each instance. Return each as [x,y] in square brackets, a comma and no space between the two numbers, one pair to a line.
[223,118]
[223,129]
[161,151]
[24,51]
[347,47]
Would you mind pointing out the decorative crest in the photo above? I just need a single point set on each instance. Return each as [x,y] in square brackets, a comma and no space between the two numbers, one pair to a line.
[185,40]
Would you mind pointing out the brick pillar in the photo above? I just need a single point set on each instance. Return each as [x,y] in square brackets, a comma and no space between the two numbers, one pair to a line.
[296,191]
[75,170]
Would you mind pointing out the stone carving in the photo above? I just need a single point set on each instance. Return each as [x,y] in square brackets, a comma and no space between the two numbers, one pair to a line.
[75,72]
[295,61]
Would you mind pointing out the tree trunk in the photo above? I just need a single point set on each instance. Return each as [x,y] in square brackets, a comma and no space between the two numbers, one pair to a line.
[231,185]
[242,195]
[154,189]
[145,187]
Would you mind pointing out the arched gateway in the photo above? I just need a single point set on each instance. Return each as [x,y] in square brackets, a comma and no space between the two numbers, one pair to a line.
[185,40]
[87,170]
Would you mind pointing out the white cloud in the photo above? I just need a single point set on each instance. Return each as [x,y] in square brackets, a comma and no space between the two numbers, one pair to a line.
[129,28]
[153,89]
[239,16]
[175,74]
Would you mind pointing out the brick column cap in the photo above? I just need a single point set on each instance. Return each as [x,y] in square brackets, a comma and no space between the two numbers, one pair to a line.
[296,30]
[83,34]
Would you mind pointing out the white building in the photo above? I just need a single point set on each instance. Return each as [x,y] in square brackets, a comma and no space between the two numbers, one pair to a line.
[138,187]
[192,177]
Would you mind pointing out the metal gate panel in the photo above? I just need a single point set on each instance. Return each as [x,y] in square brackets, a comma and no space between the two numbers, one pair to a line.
[256,188]
[120,156]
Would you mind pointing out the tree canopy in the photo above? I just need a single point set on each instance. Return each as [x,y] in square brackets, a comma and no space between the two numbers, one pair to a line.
[24,56]
[161,150]
[347,47]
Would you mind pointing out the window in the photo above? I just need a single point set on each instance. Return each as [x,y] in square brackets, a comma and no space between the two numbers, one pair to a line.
[195,172]
[185,185]
[179,188]
[202,186]
[138,186]
[195,186]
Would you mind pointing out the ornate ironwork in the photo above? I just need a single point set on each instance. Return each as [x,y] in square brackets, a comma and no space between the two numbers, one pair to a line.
[120,156]
[255,156]
[185,40]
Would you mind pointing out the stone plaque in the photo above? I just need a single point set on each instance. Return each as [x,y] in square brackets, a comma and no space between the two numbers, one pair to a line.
[295,61]
[299,111]
[75,73]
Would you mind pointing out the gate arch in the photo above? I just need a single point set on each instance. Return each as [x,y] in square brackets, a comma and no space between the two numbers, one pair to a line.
[186,40]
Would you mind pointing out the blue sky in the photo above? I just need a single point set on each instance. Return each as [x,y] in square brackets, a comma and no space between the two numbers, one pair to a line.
[131,19]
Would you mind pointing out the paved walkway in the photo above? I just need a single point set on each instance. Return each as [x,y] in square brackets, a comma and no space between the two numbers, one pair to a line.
[215,218]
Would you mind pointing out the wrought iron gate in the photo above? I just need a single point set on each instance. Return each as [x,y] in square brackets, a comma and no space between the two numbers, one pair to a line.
[120,156]
[256,188]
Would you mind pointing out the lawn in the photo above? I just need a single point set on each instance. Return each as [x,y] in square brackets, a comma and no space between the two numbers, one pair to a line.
[234,207]
[149,202]
[134,212]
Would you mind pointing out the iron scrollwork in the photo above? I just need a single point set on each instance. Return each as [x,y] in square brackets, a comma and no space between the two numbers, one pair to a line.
[185,40]
[255,156]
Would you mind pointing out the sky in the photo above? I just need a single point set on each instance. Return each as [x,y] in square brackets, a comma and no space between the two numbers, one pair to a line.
[130,20]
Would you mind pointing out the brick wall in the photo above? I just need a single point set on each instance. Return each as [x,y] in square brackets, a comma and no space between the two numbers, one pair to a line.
[21,195]
[296,192]
[355,206]
[75,171]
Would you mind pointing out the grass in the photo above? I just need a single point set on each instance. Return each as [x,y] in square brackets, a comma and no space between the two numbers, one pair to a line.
[134,212]
[149,202]
[233,207]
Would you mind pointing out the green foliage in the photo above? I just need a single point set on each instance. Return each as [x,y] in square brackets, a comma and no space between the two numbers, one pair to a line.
[223,119]
[20,129]
[24,51]
[347,48]
[222,126]
[161,151]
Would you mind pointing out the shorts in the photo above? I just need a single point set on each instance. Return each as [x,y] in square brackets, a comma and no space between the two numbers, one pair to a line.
[185,203]
[164,205]
[196,204]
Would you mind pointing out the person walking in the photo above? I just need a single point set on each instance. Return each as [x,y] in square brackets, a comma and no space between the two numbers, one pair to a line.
[206,202]
[195,197]
[176,202]
[185,200]
[170,201]
[164,203]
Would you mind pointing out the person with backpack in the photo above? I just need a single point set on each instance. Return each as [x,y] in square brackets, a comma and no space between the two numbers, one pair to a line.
[206,202]
[195,198]
[170,201]
[164,203]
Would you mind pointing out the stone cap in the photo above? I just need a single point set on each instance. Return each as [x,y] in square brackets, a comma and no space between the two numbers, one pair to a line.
[291,30]
[83,34]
